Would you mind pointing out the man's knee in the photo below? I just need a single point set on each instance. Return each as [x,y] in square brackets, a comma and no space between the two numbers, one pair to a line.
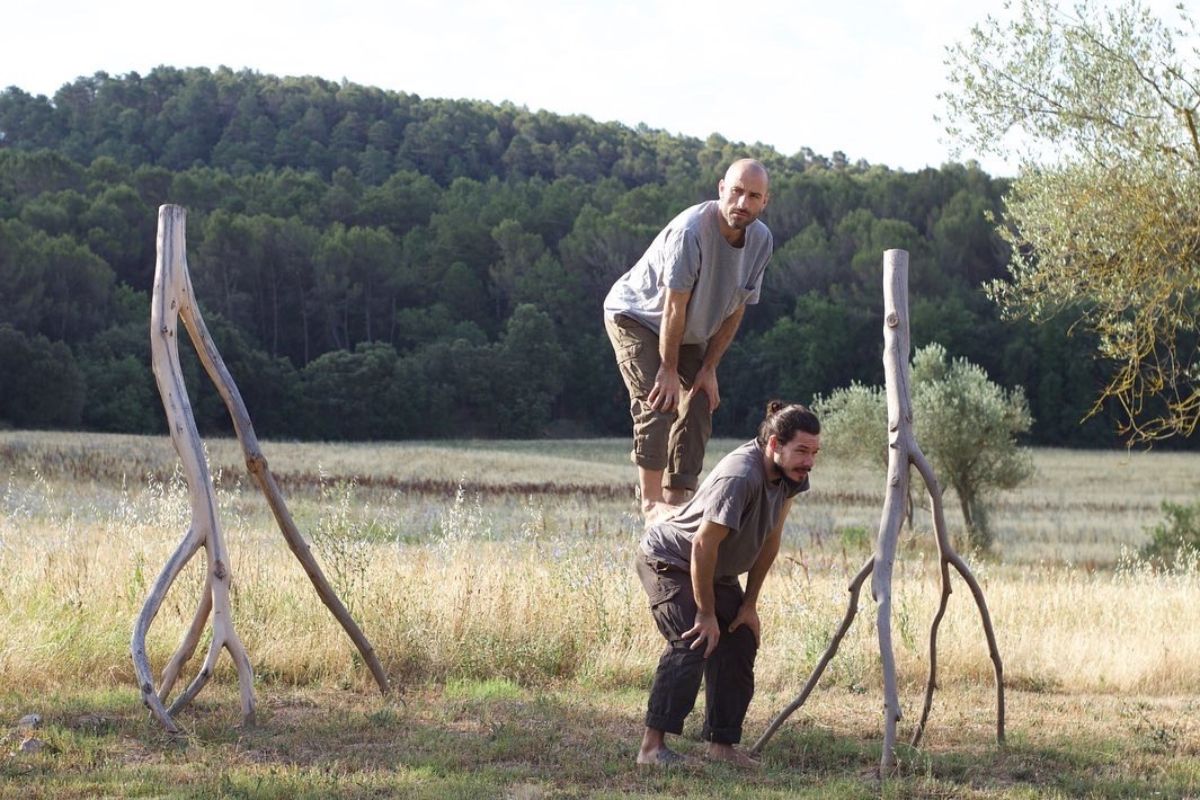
[744,639]
[682,660]
[651,434]
[741,647]
[688,441]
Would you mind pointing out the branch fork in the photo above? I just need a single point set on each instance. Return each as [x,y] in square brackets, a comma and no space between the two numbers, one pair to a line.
[172,300]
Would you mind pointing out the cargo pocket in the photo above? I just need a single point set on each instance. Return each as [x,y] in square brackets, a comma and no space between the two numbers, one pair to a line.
[629,353]
[657,580]
[636,359]
[663,590]
[627,346]
[671,603]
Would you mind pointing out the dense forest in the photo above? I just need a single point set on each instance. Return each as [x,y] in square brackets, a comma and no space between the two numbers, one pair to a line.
[376,265]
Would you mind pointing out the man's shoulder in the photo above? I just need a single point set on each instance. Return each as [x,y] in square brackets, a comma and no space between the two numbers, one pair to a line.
[693,218]
[745,461]
[760,231]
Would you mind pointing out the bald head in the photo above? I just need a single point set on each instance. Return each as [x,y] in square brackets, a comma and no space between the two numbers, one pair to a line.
[747,167]
[742,197]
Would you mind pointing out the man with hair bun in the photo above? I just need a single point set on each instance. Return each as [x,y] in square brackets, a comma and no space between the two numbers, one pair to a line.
[671,318]
[689,565]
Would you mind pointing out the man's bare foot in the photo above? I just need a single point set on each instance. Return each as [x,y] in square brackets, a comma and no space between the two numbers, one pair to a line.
[729,754]
[656,511]
[662,757]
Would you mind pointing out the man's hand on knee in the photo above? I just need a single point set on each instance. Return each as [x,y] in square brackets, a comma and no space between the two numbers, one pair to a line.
[748,615]
[664,395]
[706,383]
[707,632]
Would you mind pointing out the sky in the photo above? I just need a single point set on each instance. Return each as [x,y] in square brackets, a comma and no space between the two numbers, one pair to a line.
[859,76]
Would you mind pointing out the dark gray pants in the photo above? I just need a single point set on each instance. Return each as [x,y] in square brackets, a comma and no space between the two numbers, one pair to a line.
[728,673]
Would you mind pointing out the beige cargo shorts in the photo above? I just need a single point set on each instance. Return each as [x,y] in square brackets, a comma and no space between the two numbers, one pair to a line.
[672,441]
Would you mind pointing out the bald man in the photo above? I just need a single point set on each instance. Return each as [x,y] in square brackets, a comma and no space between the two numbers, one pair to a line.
[671,318]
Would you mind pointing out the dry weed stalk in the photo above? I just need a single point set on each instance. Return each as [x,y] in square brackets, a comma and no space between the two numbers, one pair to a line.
[172,299]
[903,451]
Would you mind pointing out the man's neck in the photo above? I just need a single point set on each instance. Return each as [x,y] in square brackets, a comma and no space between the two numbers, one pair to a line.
[773,473]
[735,236]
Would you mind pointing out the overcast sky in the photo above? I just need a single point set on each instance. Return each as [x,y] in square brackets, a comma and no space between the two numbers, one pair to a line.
[860,76]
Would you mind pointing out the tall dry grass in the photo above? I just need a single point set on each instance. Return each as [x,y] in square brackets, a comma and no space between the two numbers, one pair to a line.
[538,586]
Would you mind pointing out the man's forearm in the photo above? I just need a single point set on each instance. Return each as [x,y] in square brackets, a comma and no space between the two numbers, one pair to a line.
[671,335]
[720,341]
[704,565]
[766,557]
[758,572]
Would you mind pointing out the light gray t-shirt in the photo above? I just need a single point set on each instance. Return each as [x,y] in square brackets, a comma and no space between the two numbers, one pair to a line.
[736,494]
[690,254]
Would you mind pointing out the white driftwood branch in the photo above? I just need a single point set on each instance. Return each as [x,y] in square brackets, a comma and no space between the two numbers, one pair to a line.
[172,300]
[903,451]
[171,296]
[141,661]
[257,465]
[896,347]
[187,647]
[851,609]
[947,557]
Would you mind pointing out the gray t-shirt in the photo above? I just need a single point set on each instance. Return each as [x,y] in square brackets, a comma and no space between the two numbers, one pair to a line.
[690,254]
[736,494]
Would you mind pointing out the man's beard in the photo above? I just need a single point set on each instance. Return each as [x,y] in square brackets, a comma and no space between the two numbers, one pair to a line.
[791,485]
[739,223]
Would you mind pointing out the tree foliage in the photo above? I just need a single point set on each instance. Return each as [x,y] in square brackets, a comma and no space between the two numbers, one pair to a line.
[966,425]
[970,425]
[436,267]
[43,386]
[1103,221]
[1175,538]
[854,423]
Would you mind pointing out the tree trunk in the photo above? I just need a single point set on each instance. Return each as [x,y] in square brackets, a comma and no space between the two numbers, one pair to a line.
[274,311]
[903,451]
[964,503]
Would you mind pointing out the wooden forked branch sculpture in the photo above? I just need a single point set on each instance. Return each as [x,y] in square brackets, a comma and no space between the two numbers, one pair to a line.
[173,299]
[903,451]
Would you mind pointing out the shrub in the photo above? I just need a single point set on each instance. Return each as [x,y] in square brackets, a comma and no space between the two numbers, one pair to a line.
[1179,531]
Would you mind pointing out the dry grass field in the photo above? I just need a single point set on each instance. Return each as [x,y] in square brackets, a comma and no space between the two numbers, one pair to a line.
[494,580]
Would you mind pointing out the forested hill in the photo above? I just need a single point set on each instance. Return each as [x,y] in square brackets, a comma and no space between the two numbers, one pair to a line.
[378,265]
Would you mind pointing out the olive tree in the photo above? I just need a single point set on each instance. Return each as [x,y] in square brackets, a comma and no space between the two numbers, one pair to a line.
[1102,111]
[853,419]
[967,424]
[853,422]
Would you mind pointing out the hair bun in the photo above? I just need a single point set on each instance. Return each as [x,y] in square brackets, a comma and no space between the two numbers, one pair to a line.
[784,420]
